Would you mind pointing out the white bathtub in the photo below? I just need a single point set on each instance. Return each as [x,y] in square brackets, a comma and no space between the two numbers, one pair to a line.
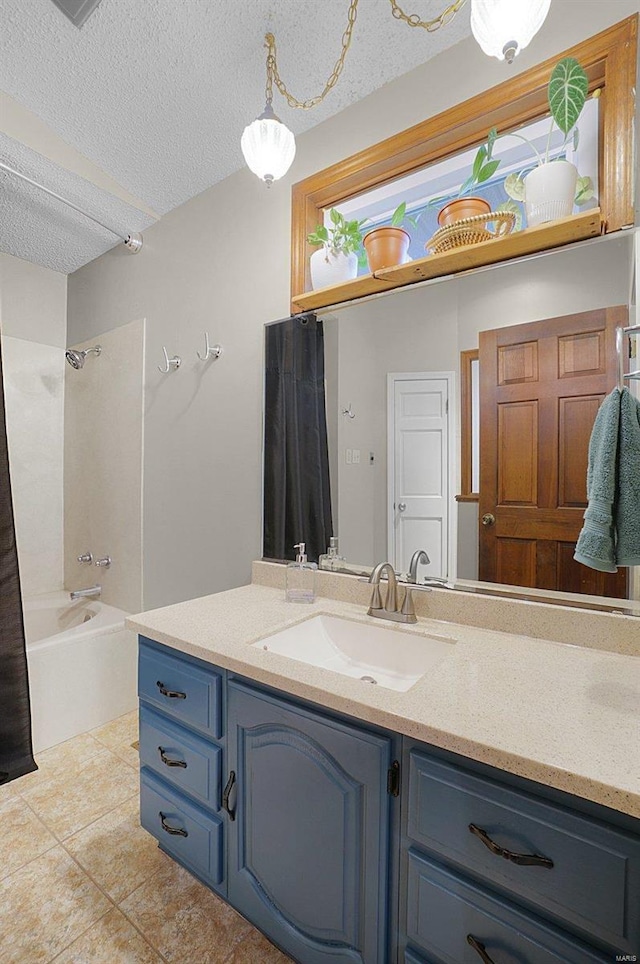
[82,666]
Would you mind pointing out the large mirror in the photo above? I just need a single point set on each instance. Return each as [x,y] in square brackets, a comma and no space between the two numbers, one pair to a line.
[392,404]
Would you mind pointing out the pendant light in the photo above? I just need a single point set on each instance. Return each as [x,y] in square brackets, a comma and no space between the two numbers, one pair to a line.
[268,146]
[505,27]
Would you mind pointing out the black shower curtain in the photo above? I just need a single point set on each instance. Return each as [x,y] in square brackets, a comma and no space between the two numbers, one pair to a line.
[297,498]
[16,755]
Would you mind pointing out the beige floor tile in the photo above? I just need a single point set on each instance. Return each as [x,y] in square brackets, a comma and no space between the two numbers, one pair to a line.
[123,730]
[44,907]
[111,941]
[23,836]
[255,948]
[117,853]
[8,791]
[77,797]
[65,758]
[127,753]
[183,919]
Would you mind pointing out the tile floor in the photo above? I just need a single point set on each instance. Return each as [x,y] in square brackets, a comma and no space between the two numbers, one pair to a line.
[82,883]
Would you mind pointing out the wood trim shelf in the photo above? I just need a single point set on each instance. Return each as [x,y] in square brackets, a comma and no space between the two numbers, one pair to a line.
[577,227]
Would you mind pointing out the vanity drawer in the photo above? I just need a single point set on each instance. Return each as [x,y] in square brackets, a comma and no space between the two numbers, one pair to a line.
[181,689]
[182,828]
[594,883]
[444,912]
[180,757]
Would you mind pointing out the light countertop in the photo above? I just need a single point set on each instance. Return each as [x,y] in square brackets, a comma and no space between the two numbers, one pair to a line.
[563,715]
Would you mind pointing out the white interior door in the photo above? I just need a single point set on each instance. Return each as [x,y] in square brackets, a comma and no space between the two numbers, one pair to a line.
[419,488]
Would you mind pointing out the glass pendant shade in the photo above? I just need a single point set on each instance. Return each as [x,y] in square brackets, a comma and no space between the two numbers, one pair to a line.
[505,27]
[268,147]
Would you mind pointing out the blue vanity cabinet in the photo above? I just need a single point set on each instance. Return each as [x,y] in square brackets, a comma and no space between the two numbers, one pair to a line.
[181,711]
[309,848]
[494,872]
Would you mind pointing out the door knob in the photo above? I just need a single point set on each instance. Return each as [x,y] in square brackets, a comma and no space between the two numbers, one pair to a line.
[488,519]
[402,506]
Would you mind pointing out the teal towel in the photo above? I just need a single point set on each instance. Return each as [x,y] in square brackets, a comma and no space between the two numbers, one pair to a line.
[596,543]
[627,512]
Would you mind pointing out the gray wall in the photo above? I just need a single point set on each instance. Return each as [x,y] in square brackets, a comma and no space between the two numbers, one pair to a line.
[221,262]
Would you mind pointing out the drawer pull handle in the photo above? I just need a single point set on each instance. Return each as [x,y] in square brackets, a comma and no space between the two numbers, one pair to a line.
[170,694]
[524,860]
[171,763]
[174,831]
[226,793]
[480,949]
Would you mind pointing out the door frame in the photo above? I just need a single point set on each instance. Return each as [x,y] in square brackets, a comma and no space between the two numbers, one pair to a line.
[452,468]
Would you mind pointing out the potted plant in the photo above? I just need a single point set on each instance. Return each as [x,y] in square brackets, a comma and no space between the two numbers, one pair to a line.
[465,205]
[550,190]
[387,246]
[337,259]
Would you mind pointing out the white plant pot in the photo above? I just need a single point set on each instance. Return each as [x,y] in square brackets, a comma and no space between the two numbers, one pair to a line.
[549,192]
[332,269]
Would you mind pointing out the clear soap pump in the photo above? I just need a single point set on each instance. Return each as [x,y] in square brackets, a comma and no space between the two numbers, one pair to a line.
[330,559]
[301,578]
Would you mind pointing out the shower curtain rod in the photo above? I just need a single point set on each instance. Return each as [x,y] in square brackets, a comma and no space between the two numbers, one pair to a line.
[132,240]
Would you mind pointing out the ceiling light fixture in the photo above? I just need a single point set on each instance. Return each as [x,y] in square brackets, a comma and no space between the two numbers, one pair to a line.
[505,27]
[501,27]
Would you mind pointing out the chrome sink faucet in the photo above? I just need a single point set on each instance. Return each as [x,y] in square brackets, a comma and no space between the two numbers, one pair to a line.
[419,556]
[390,609]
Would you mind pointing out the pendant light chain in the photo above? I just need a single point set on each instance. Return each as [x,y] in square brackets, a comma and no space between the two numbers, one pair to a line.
[273,75]
[431,25]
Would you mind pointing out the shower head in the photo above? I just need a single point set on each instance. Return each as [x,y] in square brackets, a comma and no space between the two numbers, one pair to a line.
[77,358]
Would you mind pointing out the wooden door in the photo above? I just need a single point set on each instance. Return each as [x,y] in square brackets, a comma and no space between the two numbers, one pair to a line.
[309,845]
[541,385]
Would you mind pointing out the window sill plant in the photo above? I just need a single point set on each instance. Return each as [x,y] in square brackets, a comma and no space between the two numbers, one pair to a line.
[337,258]
[550,190]
[388,246]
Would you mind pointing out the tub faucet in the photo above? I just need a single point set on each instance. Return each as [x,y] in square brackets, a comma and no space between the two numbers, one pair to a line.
[83,593]
[390,610]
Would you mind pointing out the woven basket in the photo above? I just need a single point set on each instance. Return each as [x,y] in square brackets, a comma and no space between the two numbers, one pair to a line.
[471,231]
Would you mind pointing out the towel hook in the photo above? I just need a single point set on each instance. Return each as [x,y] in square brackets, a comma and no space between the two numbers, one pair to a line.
[348,413]
[170,363]
[210,351]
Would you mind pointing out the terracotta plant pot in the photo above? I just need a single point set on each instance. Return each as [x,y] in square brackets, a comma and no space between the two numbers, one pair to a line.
[462,207]
[385,247]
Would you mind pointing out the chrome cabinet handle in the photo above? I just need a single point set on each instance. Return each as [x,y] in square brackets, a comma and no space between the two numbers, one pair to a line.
[170,694]
[480,949]
[169,762]
[402,506]
[488,519]
[174,831]
[523,860]
[226,794]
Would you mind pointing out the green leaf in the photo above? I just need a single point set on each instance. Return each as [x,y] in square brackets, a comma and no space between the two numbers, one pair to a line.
[514,186]
[335,216]
[468,184]
[576,138]
[515,209]
[488,171]
[491,139]
[568,89]
[584,190]
[398,215]
[480,158]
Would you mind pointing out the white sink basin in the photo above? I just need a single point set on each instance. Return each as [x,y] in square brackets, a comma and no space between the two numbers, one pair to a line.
[375,654]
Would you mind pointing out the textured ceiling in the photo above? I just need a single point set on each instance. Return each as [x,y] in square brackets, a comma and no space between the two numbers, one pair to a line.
[157,92]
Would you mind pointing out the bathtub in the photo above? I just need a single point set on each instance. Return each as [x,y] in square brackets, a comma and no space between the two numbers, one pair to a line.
[82,666]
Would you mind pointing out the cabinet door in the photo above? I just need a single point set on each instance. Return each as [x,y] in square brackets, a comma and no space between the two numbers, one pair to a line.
[308,849]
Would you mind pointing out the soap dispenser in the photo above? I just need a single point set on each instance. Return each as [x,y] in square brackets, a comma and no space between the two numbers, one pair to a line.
[330,559]
[301,578]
